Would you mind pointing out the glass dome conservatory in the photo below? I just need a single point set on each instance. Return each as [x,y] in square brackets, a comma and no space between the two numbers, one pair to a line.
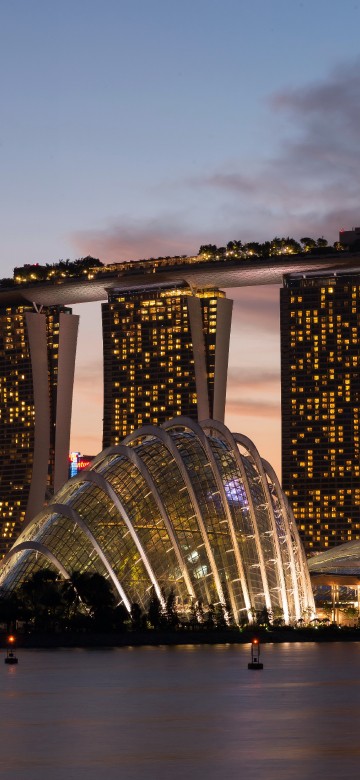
[186,506]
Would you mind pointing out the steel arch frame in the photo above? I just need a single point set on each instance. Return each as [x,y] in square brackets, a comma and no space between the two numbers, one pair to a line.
[166,440]
[220,428]
[94,478]
[37,547]
[132,456]
[71,514]
[192,425]
[245,442]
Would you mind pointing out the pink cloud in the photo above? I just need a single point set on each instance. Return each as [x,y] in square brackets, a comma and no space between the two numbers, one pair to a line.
[252,379]
[256,308]
[134,239]
[250,408]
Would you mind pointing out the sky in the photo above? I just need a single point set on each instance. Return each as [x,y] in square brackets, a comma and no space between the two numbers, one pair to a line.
[138,128]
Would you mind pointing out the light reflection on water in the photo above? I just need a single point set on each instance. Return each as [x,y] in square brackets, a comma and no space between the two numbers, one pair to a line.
[182,713]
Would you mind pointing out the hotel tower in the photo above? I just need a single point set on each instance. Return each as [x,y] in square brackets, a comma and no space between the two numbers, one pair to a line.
[37,357]
[320,319]
[165,354]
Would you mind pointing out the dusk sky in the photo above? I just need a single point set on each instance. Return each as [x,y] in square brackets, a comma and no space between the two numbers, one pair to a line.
[138,128]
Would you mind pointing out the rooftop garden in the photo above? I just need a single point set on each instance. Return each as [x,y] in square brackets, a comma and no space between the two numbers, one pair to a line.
[89,268]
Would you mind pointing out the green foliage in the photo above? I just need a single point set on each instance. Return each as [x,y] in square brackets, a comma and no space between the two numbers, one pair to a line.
[30,273]
[276,246]
[171,616]
[308,243]
[155,612]
[208,249]
[137,617]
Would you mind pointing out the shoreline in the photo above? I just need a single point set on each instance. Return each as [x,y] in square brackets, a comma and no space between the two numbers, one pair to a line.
[172,638]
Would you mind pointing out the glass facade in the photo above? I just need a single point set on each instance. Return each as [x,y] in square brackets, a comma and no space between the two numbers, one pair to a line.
[320,319]
[151,369]
[184,507]
[17,422]
[24,361]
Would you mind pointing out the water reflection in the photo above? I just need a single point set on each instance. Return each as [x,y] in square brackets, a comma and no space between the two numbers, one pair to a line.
[175,713]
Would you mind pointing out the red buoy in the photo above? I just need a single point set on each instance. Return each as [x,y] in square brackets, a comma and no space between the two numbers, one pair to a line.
[255,655]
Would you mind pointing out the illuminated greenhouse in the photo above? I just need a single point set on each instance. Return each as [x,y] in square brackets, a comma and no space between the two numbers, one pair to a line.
[186,507]
[342,560]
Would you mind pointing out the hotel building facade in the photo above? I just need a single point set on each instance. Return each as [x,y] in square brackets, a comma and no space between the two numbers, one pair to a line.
[320,319]
[165,354]
[37,358]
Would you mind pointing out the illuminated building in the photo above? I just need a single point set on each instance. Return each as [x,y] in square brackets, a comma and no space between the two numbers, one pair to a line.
[77,462]
[349,238]
[165,354]
[335,578]
[37,355]
[320,318]
[183,506]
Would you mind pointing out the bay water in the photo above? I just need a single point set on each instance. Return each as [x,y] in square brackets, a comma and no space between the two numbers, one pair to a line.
[174,713]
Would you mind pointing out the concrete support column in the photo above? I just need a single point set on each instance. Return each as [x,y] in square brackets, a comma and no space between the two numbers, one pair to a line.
[68,330]
[197,338]
[36,327]
[223,327]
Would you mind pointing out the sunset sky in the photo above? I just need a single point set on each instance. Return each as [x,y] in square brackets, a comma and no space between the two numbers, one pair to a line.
[137,128]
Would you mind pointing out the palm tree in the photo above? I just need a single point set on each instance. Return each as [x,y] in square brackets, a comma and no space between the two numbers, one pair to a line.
[41,594]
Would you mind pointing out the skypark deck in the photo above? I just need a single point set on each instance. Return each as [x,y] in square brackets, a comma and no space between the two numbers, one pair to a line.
[198,272]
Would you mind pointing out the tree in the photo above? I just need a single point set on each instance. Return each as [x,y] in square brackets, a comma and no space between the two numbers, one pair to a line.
[339,247]
[233,246]
[292,246]
[263,617]
[220,618]
[308,243]
[155,613]
[171,616]
[137,618]
[208,249]
[210,617]
[276,245]
[278,617]
[196,615]
[97,595]
[253,248]
[42,595]
[349,611]
[11,609]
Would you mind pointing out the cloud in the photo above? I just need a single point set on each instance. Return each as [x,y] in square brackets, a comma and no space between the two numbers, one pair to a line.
[250,408]
[90,370]
[252,379]
[327,116]
[311,185]
[133,239]
[256,308]
[253,392]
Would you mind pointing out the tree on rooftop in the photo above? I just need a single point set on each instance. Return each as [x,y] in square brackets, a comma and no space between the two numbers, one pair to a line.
[253,247]
[234,246]
[208,249]
[308,243]
[89,262]
[293,245]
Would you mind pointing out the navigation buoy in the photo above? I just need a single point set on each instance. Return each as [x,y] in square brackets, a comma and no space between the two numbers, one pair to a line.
[255,655]
[10,655]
